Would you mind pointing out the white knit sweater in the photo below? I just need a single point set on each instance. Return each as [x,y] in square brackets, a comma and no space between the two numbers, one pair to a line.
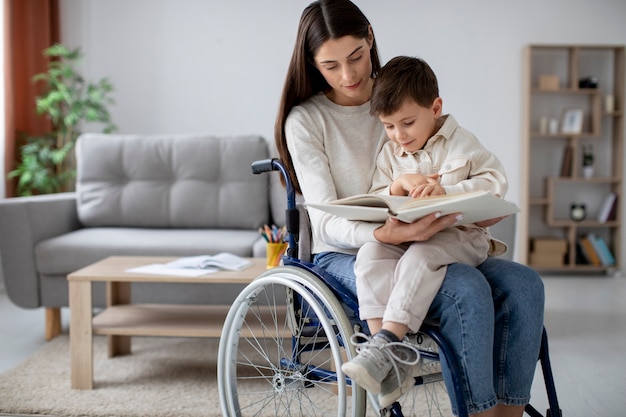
[334,151]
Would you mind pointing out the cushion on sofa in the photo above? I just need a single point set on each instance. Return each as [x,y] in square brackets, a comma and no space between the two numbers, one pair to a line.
[178,181]
[66,253]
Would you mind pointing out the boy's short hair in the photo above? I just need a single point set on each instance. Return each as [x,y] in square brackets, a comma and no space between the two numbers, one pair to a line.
[403,78]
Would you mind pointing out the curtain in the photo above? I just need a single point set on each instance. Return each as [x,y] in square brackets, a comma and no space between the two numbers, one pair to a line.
[30,27]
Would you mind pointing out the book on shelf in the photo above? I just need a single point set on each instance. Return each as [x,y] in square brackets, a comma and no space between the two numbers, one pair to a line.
[474,205]
[602,249]
[589,251]
[608,207]
[566,163]
[581,258]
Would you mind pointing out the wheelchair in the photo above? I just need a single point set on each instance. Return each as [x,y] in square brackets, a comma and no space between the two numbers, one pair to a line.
[288,332]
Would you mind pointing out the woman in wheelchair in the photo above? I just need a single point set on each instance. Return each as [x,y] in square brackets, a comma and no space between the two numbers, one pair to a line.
[492,315]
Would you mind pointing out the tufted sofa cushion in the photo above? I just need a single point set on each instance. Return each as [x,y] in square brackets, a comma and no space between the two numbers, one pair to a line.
[178,181]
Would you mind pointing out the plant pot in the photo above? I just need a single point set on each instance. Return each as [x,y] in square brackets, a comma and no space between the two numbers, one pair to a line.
[588,171]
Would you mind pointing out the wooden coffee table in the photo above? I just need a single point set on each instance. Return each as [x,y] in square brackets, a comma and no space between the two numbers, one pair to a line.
[122,319]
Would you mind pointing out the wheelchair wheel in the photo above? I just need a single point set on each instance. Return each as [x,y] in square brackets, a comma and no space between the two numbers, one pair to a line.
[429,397]
[281,350]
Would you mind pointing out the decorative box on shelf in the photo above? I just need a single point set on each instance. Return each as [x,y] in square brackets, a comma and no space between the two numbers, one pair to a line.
[548,252]
[549,82]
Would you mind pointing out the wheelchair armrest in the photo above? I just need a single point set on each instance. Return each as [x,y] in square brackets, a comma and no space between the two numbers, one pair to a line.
[304,243]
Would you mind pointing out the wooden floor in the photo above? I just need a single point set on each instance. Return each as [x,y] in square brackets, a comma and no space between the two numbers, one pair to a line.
[585,318]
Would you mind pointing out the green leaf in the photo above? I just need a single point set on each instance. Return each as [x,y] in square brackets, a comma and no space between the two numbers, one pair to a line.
[67,101]
[40,77]
[71,119]
[92,115]
[56,50]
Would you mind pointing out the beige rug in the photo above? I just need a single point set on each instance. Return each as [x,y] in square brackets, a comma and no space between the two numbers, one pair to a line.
[163,377]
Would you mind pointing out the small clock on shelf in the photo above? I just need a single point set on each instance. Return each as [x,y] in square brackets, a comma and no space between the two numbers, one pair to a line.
[577,212]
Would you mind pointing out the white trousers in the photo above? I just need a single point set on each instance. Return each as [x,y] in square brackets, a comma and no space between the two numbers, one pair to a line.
[399,282]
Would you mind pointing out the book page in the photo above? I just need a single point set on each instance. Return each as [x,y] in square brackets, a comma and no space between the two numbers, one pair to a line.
[363,213]
[437,199]
[224,260]
[161,269]
[372,200]
[195,266]
[475,206]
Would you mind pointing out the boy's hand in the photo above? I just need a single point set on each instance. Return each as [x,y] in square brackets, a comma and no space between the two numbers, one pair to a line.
[406,183]
[425,190]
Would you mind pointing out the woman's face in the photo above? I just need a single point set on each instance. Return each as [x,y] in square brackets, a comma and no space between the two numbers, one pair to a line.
[346,65]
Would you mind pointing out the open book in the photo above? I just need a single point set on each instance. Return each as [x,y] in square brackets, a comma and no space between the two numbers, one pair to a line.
[474,205]
[195,266]
[224,260]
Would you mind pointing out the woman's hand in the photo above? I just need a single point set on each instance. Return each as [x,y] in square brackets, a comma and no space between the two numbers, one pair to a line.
[396,232]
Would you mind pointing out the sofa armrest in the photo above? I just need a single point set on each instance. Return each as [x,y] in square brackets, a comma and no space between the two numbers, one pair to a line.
[24,222]
[504,230]
[259,248]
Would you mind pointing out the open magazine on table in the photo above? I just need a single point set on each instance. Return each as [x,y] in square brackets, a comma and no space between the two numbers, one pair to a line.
[192,266]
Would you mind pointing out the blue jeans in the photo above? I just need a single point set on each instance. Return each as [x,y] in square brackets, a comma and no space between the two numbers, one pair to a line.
[496,343]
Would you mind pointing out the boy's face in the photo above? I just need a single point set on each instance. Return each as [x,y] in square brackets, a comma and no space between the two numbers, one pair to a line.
[412,125]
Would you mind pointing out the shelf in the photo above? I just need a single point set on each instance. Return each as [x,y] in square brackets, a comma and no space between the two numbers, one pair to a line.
[548,197]
[169,320]
[579,91]
[582,224]
[592,180]
[539,201]
[584,135]
[576,268]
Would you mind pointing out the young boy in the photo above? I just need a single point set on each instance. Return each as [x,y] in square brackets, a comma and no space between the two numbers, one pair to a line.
[428,154]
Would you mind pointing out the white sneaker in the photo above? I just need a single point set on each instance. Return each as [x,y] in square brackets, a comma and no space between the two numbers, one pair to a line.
[376,359]
[400,379]
[371,365]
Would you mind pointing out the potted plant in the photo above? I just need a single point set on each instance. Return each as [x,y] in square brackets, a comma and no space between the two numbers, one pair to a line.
[47,162]
[588,161]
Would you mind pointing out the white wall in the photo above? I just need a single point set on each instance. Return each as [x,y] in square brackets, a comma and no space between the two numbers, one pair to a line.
[218,66]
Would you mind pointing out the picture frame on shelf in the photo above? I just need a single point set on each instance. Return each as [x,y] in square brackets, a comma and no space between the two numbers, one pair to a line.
[572,121]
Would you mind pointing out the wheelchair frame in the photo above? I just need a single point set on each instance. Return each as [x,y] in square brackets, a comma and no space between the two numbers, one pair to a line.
[316,307]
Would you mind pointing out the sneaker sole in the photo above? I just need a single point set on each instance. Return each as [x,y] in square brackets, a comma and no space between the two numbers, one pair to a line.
[388,399]
[359,376]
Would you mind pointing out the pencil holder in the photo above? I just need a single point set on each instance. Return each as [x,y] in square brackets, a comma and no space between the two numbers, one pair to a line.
[274,253]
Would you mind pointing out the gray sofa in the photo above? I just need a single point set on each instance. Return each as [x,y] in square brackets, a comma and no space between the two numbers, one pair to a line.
[175,195]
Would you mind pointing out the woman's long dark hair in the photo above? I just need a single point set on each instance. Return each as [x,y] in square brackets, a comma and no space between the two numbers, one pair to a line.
[320,21]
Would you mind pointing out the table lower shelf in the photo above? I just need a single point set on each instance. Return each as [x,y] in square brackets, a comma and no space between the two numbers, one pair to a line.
[169,320]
